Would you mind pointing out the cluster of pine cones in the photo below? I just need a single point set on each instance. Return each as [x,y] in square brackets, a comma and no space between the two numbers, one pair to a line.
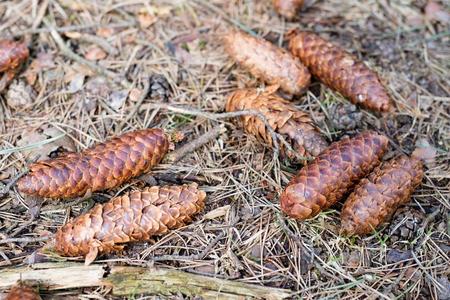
[348,165]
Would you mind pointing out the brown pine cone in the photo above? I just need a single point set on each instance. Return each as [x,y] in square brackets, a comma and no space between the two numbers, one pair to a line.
[22,291]
[135,216]
[324,181]
[102,167]
[340,70]
[12,55]
[345,116]
[282,116]
[377,197]
[288,8]
[404,225]
[159,88]
[268,62]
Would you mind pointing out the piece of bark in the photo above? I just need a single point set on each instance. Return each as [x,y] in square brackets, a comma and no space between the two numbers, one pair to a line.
[268,62]
[377,197]
[325,181]
[287,8]
[340,70]
[135,216]
[105,166]
[22,291]
[295,125]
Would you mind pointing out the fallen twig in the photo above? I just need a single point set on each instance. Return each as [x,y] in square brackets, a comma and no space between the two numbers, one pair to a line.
[9,185]
[96,40]
[218,116]
[181,152]
[70,54]
[25,240]
[198,256]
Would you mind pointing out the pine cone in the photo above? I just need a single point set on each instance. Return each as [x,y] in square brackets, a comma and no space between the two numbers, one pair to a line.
[136,216]
[324,181]
[19,95]
[288,8]
[377,197]
[345,116]
[102,167]
[22,291]
[405,224]
[268,62]
[282,116]
[159,88]
[340,70]
[12,55]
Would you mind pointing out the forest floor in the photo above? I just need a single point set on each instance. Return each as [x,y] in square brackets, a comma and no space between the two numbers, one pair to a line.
[59,103]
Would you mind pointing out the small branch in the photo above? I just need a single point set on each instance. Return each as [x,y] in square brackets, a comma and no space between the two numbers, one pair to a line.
[198,256]
[181,152]
[96,40]
[71,55]
[25,240]
[218,116]
[8,186]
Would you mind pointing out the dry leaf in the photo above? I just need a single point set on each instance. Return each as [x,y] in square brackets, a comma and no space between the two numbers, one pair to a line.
[163,10]
[135,94]
[36,136]
[76,83]
[105,32]
[426,152]
[73,34]
[95,53]
[217,213]
[434,11]
[117,99]
[44,61]
[146,20]
[19,95]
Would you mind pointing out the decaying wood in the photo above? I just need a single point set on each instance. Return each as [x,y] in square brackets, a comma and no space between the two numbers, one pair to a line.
[136,280]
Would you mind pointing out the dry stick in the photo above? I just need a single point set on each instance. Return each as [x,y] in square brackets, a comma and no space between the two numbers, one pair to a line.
[70,54]
[8,186]
[181,152]
[218,116]
[129,281]
[198,256]
[98,41]
[25,240]
[73,28]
